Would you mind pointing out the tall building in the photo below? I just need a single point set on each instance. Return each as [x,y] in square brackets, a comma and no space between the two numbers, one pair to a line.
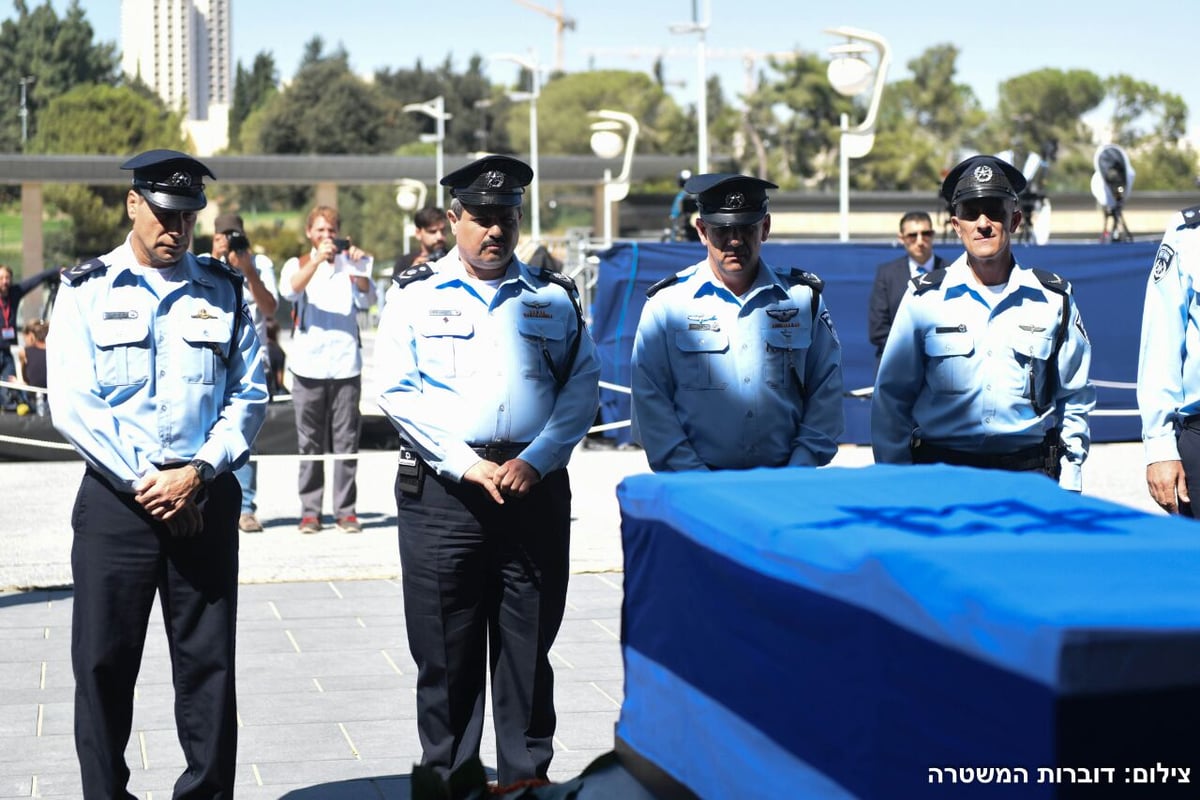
[181,49]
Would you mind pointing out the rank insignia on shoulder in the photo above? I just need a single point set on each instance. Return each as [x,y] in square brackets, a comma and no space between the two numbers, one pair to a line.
[81,272]
[1163,260]
[1191,217]
[413,274]
[660,285]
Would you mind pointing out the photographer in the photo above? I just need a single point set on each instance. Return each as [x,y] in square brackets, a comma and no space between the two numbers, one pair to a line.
[231,244]
[327,286]
[430,225]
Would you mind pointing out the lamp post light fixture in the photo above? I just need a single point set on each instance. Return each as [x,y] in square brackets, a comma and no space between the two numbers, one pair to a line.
[850,74]
[435,108]
[700,28]
[531,64]
[410,197]
[607,142]
[25,81]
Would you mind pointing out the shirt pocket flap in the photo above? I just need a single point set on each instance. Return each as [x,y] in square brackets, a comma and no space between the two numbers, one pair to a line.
[535,328]
[701,341]
[955,343]
[1034,345]
[445,325]
[788,338]
[208,330]
[120,331]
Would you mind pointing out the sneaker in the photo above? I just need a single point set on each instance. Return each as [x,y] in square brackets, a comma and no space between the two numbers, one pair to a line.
[248,523]
[349,524]
[310,525]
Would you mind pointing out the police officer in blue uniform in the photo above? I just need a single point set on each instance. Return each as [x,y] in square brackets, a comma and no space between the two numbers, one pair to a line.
[491,379]
[155,378]
[736,364]
[987,361]
[1169,367]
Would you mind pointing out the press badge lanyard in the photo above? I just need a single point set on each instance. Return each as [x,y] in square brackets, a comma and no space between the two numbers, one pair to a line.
[7,332]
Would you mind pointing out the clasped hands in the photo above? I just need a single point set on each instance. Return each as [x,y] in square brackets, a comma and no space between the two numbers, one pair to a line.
[513,478]
[170,497]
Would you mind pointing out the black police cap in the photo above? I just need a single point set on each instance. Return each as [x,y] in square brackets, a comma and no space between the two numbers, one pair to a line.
[729,199]
[982,176]
[490,181]
[169,179]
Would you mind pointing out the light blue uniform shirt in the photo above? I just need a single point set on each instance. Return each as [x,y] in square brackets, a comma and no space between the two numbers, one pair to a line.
[459,371]
[961,366]
[137,380]
[722,382]
[1168,385]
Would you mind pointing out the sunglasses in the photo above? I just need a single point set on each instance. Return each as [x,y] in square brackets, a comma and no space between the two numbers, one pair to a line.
[971,210]
[914,235]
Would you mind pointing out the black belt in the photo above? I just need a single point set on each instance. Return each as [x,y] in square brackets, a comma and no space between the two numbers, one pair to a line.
[499,452]
[1026,458]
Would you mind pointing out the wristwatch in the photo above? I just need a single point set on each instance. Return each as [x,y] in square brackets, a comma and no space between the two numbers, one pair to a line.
[204,470]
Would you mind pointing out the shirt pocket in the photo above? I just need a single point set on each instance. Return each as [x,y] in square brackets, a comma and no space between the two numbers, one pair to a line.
[948,352]
[207,341]
[786,352]
[122,350]
[1031,357]
[702,356]
[543,343]
[440,342]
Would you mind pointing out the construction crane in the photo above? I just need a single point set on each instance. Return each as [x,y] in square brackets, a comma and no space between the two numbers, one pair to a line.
[561,23]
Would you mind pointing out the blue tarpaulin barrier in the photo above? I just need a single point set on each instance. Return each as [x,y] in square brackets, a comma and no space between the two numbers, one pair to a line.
[856,633]
[1109,283]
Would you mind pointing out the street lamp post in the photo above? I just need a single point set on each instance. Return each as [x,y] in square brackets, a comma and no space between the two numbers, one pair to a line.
[606,142]
[25,81]
[531,64]
[410,197]
[435,108]
[850,75]
[700,28]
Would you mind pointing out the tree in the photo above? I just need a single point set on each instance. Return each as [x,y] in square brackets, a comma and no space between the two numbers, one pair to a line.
[923,122]
[1150,124]
[58,53]
[1047,106]
[112,120]
[326,109]
[564,127]
[251,90]
[797,118]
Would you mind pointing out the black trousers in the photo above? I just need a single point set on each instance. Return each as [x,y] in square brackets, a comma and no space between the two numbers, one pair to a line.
[120,558]
[1189,454]
[485,585]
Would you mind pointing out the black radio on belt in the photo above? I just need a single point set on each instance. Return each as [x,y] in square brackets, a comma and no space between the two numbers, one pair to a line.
[410,471]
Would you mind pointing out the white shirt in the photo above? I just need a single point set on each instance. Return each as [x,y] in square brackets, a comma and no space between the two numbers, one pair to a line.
[325,342]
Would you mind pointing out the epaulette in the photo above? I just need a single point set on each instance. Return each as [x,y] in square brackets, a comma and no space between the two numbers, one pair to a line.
[81,272]
[799,276]
[550,276]
[1049,280]
[219,265]
[659,285]
[413,274]
[930,280]
[1191,217]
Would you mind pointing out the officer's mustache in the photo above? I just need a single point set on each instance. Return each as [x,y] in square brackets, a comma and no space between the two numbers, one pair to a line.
[490,242]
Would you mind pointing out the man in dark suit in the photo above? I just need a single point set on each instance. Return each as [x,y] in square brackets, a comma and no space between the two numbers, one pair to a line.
[892,277]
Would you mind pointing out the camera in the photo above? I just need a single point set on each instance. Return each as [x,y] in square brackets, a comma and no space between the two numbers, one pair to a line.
[237,240]
[341,245]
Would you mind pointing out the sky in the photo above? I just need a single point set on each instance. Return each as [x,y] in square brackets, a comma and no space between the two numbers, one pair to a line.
[995,42]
